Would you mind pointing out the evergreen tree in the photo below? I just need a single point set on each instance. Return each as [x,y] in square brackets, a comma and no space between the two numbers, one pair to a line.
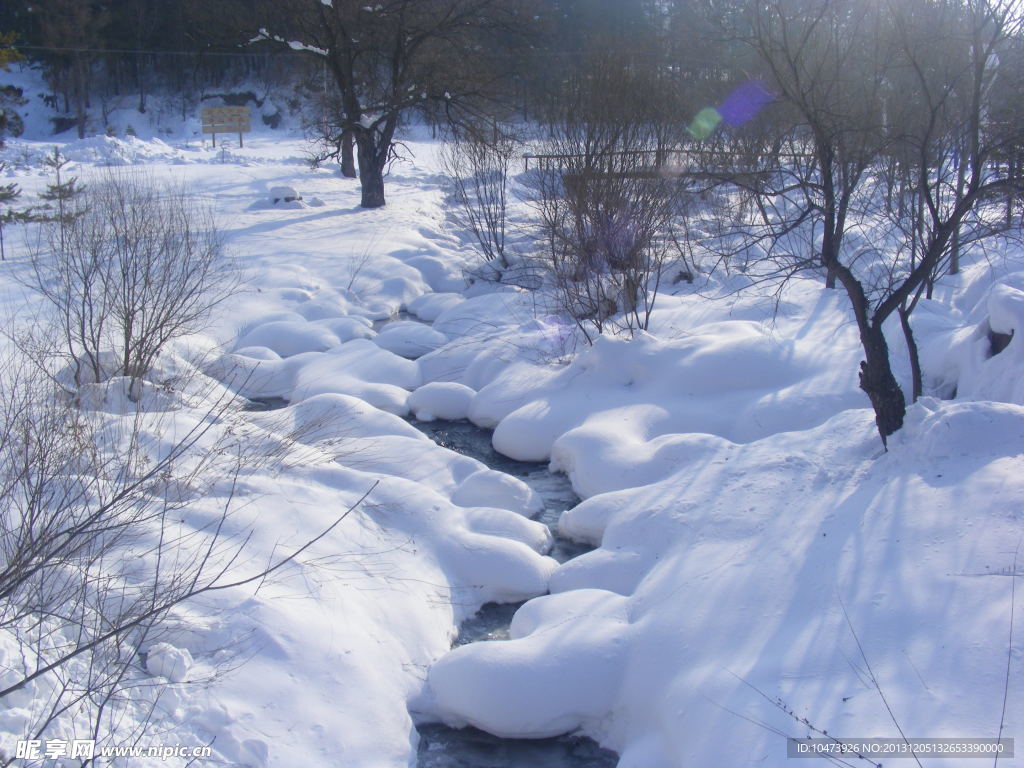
[8,194]
[61,192]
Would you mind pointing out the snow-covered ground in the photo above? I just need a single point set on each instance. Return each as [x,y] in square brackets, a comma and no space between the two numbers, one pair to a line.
[756,546]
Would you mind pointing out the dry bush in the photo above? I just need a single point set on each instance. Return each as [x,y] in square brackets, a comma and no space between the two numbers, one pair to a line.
[478,165]
[139,264]
[607,211]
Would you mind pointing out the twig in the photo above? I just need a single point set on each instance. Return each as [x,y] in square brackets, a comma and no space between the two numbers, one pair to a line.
[874,681]
[1009,652]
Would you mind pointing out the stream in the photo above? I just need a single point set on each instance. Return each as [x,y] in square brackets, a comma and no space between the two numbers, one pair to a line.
[444,747]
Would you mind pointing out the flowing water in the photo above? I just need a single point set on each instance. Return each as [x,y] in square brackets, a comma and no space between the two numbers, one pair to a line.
[443,747]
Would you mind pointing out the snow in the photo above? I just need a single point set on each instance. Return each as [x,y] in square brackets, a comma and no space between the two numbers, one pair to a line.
[968,363]
[164,660]
[441,400]
[729,379]
[650,641]
[282,194]
[491,488]
[290,337]
[732,478]
[410,339]
[429,306]
[535,686]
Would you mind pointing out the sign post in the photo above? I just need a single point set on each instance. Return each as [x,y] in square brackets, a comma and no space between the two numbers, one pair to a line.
[226,120]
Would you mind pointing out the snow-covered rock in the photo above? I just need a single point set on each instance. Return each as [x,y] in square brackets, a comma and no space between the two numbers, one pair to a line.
[544,682]
[986,362]
[429,306]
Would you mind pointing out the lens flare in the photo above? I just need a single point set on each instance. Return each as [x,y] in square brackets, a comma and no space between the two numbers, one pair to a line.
[739,107]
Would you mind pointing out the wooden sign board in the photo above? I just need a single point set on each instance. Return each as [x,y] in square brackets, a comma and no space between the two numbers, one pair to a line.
[226,120]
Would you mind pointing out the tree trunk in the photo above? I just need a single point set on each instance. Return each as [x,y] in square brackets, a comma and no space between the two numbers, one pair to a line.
[348,157]
[373,188]
[877,380]
[371,172]
[80,100]
[954,253]
[912,352]
[830,279]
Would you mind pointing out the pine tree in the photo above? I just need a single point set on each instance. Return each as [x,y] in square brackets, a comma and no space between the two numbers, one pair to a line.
[61,192]
[8,194]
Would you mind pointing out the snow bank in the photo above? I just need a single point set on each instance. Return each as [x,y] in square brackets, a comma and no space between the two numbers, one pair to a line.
[741,562]
[984,360]
[729,379]
[371,440]
[572,679]
[379,599]
[110,150]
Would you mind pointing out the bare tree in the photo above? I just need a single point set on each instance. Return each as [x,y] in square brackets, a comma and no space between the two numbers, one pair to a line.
[959,139]
[828,62]
[478,165]
[606,207]
[389,59]
[133,265]
[880,119]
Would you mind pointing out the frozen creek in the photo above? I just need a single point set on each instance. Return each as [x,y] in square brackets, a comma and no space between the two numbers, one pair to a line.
[443,747]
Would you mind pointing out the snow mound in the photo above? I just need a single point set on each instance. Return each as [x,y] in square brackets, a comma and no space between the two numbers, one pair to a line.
[290,337]
[729,379]
[483,315]
[490,488]
[284,194]
[348,328]
[437,273]
[334,308]
[164,660]
[258,353]
[110,150]
[409,338]
[361,368]
[430,306]
[560,672]
[441,400]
